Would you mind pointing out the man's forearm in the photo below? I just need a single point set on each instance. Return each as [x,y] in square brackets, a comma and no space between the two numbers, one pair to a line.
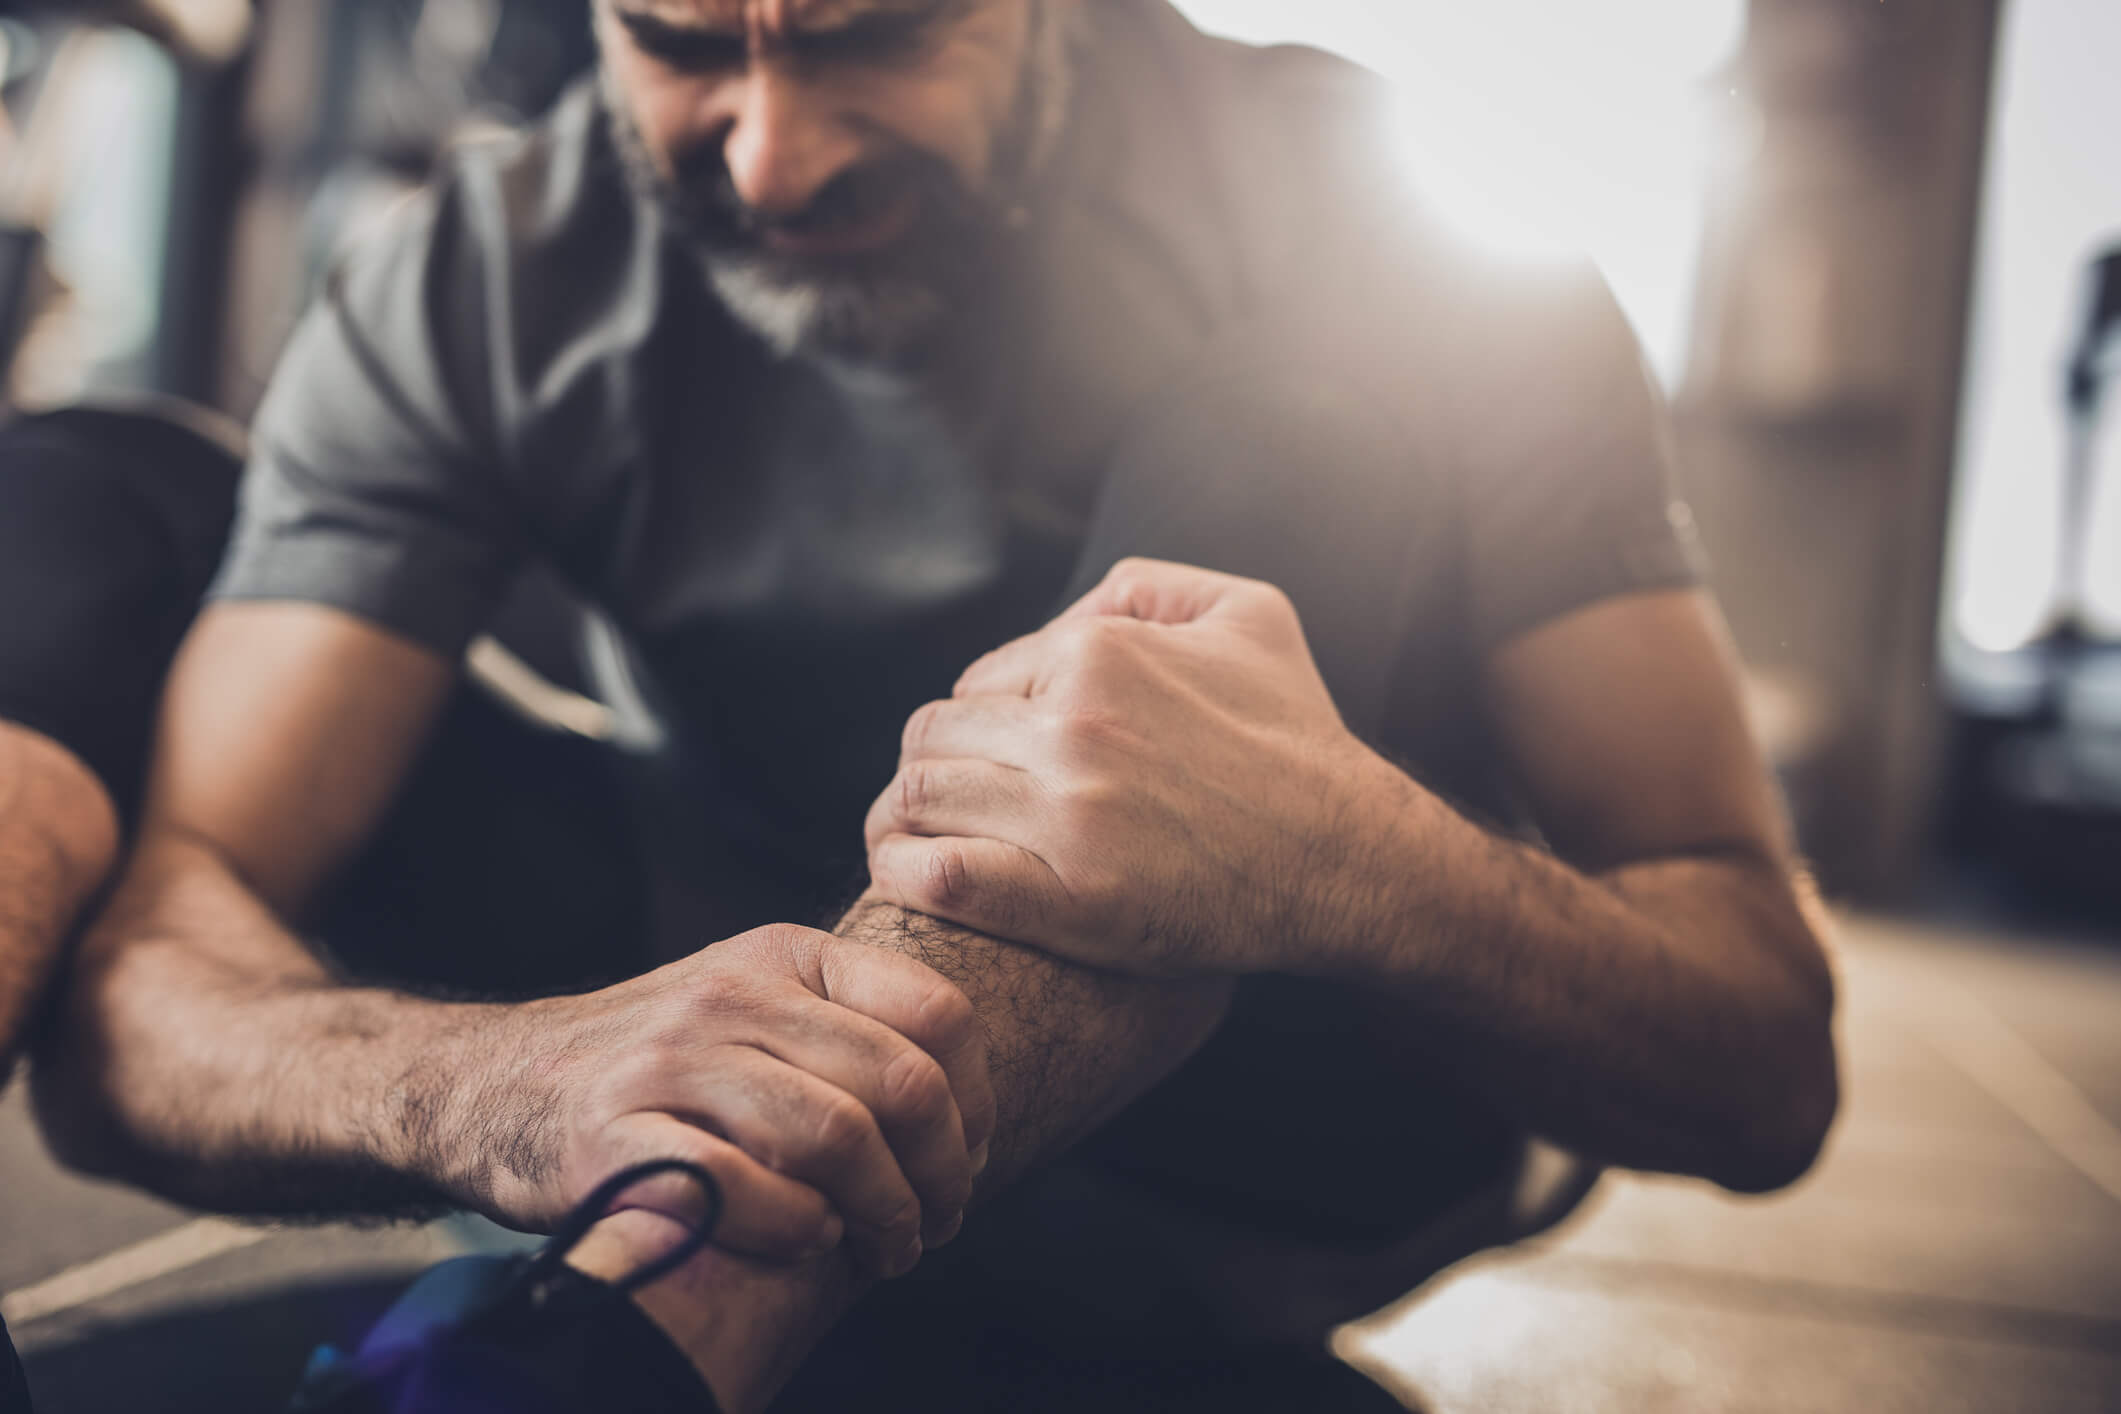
[58,836]
[1068,1046]
[1671,1014]
[206,1055]
[210,1057]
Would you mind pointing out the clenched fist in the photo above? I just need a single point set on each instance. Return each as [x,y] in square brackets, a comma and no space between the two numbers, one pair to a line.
[1157,782]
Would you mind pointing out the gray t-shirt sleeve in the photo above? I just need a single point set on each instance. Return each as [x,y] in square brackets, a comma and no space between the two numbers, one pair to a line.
[1564,457]
[371,486]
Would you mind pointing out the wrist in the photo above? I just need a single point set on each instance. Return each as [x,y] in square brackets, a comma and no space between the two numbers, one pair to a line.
[1354,893]
[446,1073]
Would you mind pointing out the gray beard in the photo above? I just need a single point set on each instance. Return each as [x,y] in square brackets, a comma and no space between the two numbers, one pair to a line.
[887,320]
[882,320]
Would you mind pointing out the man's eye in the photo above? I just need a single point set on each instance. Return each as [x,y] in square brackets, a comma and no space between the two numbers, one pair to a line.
[686,48]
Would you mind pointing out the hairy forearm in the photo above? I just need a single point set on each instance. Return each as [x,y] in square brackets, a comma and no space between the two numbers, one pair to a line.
[206,1055]
[1672,1015]
[58,836]
[1068,1046]
[211,1057]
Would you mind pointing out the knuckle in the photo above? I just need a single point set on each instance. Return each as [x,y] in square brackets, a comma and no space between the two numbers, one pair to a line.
[771,958]
[1084,729]
[840,1129]
[915,795]
[1083,641]
[920,728]
[945,877]
[912,1086]
[1131,575]
[788,939]
[945,1019]
[1269,603]
[972,674]
[1089,799]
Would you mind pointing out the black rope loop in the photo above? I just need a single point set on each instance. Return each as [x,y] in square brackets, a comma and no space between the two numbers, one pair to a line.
[596,1207]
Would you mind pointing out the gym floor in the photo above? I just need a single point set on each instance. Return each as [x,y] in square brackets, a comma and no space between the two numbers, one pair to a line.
[1958,1249]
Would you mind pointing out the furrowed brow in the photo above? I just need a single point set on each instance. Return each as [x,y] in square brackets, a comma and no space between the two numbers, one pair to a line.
[679,41]
[878,28]
[852,27]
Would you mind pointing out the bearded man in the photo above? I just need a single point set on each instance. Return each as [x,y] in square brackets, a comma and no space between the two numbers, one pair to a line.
[1252,913]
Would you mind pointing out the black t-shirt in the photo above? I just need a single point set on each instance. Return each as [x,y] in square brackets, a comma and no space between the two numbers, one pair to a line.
[1232,339]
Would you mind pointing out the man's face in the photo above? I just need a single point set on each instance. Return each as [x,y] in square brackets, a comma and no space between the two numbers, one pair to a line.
[843,167]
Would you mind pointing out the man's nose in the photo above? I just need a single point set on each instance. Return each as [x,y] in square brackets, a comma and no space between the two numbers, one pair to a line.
[785,144]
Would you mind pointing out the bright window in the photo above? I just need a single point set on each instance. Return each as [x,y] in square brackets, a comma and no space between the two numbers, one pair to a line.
[1540,125]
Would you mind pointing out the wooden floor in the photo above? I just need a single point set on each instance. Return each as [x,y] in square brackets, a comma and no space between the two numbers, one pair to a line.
[1959,1249]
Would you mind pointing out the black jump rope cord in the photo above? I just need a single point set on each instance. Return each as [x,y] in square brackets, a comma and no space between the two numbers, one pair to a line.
[593,1209]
